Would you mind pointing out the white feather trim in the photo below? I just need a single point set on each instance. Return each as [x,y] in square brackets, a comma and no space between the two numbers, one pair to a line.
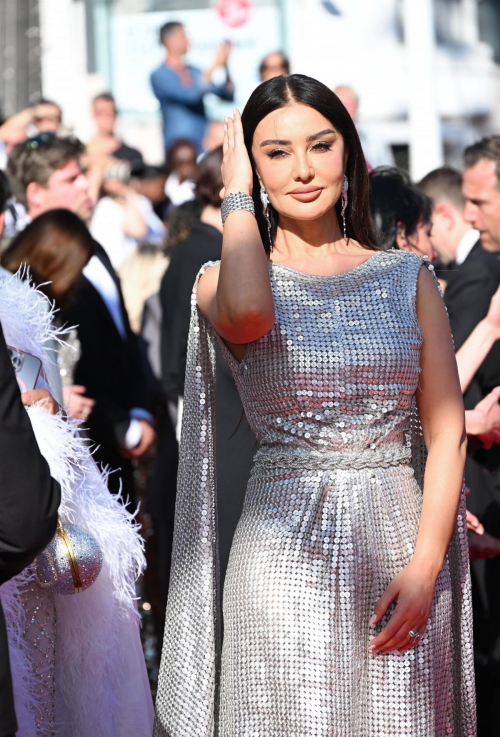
[27,316]
[101,681]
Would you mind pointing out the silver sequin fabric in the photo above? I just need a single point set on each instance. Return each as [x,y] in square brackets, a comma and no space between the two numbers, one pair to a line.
[53,567]
[331,515]
[40,635]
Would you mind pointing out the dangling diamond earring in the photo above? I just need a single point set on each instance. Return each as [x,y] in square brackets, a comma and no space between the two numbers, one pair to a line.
[345,187]
[265,209]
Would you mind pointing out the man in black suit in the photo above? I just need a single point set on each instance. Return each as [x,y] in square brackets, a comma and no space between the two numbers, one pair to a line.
[472,276]
[46,173]
[29,500]
[481,189]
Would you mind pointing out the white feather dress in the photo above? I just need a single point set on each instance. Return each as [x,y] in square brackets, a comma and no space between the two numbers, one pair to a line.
[87,646]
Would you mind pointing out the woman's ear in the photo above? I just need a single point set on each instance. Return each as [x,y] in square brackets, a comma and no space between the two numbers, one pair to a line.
[401,240]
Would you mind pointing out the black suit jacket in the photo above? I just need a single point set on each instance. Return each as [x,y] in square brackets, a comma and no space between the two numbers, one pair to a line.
[29,500]
[110,367]
[467,297]
[469,290]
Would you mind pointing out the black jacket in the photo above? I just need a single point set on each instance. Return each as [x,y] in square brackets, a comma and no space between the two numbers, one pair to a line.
[203,244]
[235,443]
[468,293]
[29,500]
[469,290]
[110,367]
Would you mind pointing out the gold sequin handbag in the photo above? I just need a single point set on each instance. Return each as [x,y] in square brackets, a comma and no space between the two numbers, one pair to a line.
[70,563]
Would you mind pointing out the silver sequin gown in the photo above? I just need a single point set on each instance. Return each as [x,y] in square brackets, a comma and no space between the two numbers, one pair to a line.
[331,516]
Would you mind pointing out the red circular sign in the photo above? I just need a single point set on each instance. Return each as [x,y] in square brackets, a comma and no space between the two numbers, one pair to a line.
[234,13]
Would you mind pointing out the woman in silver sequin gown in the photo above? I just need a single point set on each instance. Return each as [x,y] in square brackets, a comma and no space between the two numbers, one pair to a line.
[346,605]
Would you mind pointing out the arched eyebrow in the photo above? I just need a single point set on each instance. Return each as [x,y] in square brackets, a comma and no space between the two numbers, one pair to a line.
[321,134]
[314,137]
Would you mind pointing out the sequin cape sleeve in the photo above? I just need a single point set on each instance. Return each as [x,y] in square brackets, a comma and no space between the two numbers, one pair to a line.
[458,558]
[187,701]
[186,705]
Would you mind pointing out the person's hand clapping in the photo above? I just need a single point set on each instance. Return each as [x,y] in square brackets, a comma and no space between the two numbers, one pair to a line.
[237,174]
[222,54]
[484,420]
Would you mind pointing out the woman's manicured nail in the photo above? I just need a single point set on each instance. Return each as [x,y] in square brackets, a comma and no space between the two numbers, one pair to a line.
[373,619]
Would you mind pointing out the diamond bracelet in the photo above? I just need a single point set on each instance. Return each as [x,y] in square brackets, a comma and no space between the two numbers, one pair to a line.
[236,201]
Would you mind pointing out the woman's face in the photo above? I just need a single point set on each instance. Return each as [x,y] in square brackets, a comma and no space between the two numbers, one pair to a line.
[300,159]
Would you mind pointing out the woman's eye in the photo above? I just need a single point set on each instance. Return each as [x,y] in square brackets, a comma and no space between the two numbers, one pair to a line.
[322,146]
[277,152]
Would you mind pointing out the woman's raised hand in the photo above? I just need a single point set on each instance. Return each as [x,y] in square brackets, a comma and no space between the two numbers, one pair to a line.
[237,174]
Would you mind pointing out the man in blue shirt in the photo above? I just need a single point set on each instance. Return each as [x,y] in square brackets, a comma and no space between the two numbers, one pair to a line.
[180,88]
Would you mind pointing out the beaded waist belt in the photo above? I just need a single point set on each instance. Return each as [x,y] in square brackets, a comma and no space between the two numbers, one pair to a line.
[282,456]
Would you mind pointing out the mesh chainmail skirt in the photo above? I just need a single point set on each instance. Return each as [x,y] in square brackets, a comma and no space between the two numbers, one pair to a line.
[331,515]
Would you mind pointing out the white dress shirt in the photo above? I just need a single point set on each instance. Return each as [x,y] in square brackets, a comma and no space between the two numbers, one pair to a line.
[467,243]
[101,279]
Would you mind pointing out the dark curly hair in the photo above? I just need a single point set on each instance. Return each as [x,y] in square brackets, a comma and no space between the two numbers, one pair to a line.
[395,199]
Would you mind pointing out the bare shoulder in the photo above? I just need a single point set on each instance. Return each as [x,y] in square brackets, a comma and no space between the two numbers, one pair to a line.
[427,284]
[431,311]
[207,288]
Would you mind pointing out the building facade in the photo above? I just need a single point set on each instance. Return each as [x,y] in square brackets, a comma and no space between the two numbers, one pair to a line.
[20,52]
[93,45]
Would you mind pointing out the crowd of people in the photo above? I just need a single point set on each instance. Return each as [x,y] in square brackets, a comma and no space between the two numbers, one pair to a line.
[100,259]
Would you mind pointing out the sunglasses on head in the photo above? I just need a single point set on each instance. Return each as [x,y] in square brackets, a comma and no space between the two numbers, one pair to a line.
[45,138]
[40,140]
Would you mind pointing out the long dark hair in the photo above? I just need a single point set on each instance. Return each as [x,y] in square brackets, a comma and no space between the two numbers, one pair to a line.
[280,91]
[56,246]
